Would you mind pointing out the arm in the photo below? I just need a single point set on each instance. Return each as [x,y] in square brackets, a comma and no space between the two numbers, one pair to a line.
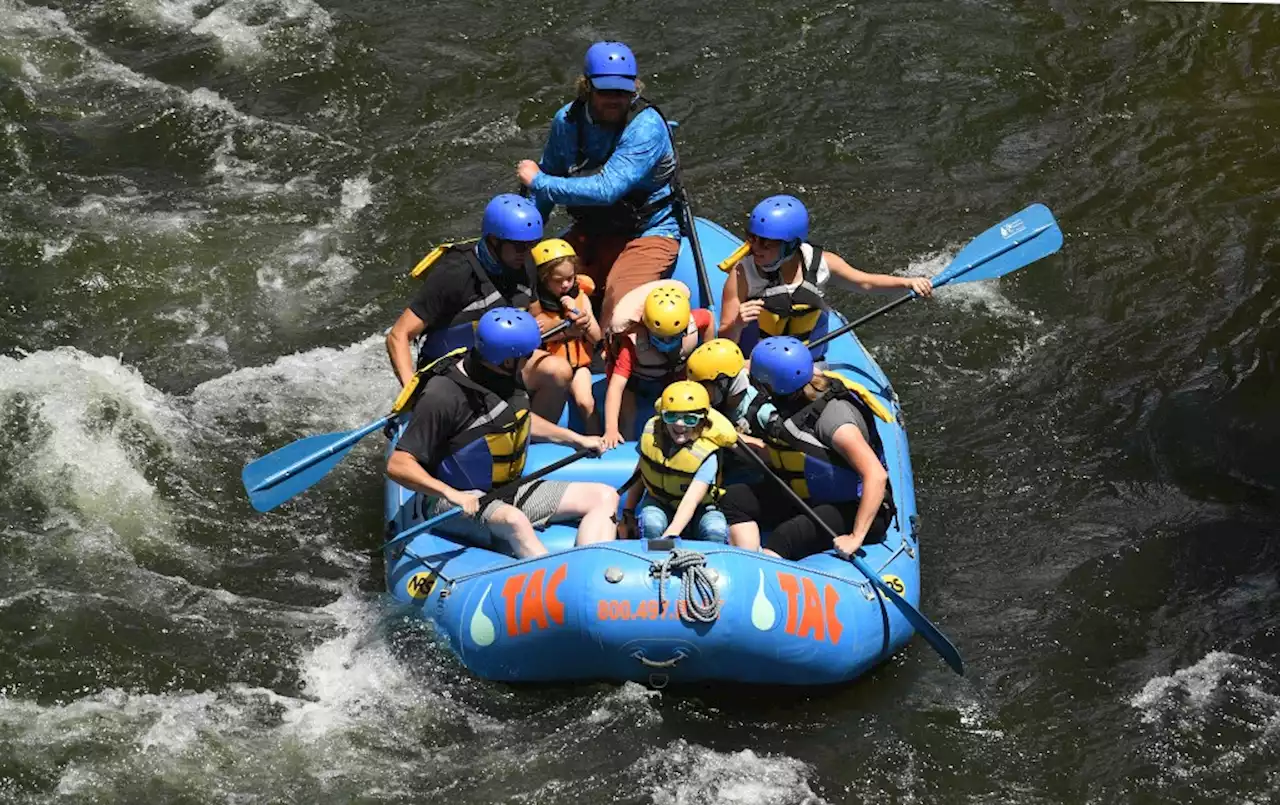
[706,324]
[543,430]
[591,331]
[619,374]
[848,441]
[399,343]
[735,287]
[405,470]
[642,144]
[849,278]
[688,505]
[557,157]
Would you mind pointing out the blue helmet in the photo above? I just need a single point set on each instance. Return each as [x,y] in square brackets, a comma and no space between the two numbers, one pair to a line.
[782,363]
[781,218]
[507,332]
[610,65]
[510,217]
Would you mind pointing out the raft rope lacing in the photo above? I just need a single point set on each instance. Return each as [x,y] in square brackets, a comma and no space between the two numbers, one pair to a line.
[701,604]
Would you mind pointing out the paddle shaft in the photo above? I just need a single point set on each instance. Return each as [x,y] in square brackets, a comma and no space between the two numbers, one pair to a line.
[902,300]
[917,619]
[691,231]
[487,498]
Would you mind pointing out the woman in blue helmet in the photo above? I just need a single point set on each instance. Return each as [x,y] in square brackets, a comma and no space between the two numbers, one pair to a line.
[467,281]
[778,287]
[820,437]
[610,162]
[469,432]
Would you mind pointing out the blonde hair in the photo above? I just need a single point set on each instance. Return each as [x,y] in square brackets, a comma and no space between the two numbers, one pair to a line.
[582,87]
[816,386]
[546,268]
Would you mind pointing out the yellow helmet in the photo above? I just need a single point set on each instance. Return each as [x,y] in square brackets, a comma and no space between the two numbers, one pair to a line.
[666,314]
[717,358]
[551,249]
[685,396]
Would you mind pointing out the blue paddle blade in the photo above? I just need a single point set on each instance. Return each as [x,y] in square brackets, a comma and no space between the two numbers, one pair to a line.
[1009,245]
[916,618]
[295,468]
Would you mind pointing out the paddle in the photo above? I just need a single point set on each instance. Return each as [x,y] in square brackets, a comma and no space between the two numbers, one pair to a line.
[496,494]
[689,223]
[917,619]
[1006,247]
[295,468]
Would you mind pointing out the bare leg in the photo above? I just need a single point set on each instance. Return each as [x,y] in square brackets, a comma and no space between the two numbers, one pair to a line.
[548,377]
[596,504]
[510,523]
[586,401]
[745,535]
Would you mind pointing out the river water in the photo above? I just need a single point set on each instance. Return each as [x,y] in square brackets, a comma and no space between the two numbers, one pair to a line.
[207,213]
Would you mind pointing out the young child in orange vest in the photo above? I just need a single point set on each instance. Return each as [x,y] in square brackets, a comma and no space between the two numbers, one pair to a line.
[563,293]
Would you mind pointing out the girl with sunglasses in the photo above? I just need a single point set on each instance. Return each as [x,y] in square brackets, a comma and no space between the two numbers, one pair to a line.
[678,472]
[655,332]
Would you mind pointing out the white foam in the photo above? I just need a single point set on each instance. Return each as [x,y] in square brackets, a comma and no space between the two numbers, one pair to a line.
[967,295]
[1192,688]
[243,29]
[689,774]
[312,266]
[84,412]
[317,390]
[1234,699]
[492,133]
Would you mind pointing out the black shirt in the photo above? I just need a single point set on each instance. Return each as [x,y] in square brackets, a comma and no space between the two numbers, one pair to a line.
[450,287]
[441,413]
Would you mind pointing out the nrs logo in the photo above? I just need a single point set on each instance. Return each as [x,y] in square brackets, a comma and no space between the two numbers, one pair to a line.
[1012,228]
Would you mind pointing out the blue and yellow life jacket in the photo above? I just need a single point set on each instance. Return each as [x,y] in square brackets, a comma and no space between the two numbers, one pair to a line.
[631,214]
[667,477]
[800,312]
[503,290]
[817,473]
[490,450]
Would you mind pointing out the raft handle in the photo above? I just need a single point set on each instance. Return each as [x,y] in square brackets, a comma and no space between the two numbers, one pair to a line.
[679,655]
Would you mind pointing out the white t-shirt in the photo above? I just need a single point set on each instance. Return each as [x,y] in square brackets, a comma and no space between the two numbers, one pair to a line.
[757,282]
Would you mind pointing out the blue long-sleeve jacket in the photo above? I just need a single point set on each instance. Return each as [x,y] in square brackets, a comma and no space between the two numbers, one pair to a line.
[643,156]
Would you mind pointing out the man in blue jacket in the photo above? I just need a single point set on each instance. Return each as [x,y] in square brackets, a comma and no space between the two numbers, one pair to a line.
[610,161]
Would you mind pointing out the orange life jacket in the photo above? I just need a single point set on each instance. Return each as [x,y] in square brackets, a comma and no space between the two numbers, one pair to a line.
[576,349]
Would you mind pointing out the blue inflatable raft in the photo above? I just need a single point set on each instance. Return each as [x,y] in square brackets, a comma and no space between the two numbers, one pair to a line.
[597,612]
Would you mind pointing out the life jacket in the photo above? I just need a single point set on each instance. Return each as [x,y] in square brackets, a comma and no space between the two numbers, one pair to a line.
[546,310]
[800,311]
[490,450]
[816,473]
[500,291]
[652,364]
[631,214]
[667,477]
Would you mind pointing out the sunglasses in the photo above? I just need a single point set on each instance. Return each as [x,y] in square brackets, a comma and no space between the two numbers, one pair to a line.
[666,343]
[521,245]
[681,418]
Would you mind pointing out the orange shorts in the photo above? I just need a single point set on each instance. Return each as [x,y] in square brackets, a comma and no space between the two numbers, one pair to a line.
[619,265]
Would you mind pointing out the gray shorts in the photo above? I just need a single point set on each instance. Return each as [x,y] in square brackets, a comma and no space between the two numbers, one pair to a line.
[538,500]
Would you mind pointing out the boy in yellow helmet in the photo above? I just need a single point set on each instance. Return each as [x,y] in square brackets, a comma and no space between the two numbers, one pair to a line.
[679,467]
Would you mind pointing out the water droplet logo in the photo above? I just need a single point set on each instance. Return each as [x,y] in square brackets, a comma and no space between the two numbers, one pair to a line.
[482,630]
[763,615]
